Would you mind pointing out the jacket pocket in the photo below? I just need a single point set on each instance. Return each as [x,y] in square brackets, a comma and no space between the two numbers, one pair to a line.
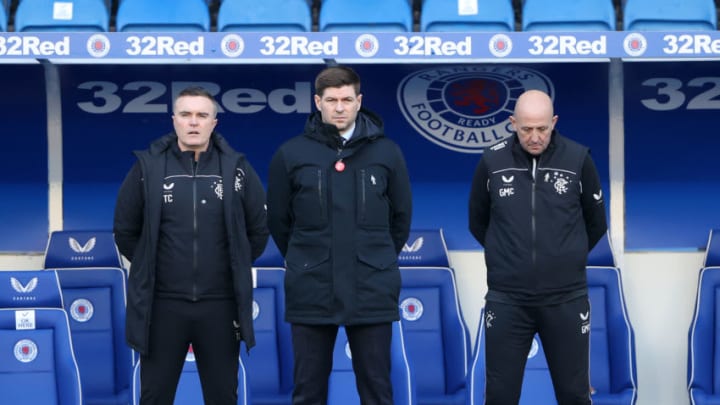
[310,198]
[373,207]
[308,279]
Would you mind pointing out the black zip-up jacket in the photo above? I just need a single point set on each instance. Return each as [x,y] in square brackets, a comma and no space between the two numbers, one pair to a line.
[340,231]
[137,226]
[537,217]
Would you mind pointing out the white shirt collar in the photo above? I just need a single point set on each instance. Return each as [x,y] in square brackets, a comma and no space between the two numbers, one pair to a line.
[347,135]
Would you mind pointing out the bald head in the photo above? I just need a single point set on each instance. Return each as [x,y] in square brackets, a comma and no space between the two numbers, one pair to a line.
[533,120]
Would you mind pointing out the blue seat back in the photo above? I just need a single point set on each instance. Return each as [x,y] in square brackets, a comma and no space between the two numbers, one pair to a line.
[94,291]
[341,386]
[82,249]
[163,15]
[425,248]
[266,15]
[95,302]
[189,389]
[613,374]
[602,254]
[568,15]
[703,372]
[436,336]
[30,289]
[270,362]
[365,16]
[37,365]
[69,15]
[450,15]
[669,15]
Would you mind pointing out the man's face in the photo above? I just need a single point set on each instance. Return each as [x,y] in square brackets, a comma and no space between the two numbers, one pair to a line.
[194,119]
[534,129]
[339,106]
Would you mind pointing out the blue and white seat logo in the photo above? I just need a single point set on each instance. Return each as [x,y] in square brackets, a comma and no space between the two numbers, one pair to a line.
[255,310]
[412,309]
[25,351]
[98,45]
[466,108]
[82,310]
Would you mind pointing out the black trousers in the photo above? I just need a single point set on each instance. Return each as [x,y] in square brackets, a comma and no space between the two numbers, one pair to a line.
[313,353]
[564,330]
[208,325]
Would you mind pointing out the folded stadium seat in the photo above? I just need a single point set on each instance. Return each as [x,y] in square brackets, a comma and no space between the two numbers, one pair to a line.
[94,289]
[436,335]
[664,15]
[69,15]
[704,335]
[341,386]
[270,362]
[3,18]
[266,15]
[367,16]
[189,390]
[568,15]
[37,363]
[162,15]
[613,375]
[449,15]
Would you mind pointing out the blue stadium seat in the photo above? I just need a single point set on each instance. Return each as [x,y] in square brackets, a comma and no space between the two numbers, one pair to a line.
[436,336]
[3,18]
[70,15]
[163,15]
[668,15]
[703,372]
[342,389]
[266,15]
[365,16]
[613,375]
[270,362]
[82,249]
[446,15]
[568,15]
[37,363]
[189,390]
[94,290]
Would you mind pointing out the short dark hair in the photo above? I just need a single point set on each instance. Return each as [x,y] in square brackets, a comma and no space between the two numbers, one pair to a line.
[336,76]
[196,91]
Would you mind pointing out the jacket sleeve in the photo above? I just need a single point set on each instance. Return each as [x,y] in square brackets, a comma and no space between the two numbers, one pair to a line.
[255,212]
[400,195]
[278,202]
[593,203]
[479,204]
[128,218]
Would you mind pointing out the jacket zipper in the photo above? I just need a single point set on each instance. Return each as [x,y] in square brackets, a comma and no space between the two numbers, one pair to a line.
[533,229]
[195,230]
[362,195]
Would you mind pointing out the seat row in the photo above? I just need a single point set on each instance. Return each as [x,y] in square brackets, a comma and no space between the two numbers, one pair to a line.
[433,362]
[367,15]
